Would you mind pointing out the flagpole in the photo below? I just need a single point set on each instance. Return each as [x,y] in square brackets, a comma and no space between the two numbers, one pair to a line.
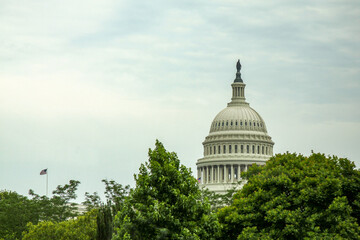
[47,182]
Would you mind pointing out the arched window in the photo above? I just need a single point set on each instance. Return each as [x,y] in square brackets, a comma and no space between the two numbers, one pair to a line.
[242,148]
[231,123]
[245,123]
[241,123]
[214,150]
[227,123]
[236,150]
[229,148]
[257,124]
[262,149]
[253,149]
[258,151]
[219,150]
[250,124]
[247,148]
[236,123]
[222,123]
[210,150]
[224,149]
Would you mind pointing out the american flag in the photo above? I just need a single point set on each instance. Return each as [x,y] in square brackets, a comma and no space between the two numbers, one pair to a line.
[43,172]
[199,180]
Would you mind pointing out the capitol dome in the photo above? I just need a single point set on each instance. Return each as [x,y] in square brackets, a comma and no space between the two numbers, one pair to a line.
[237,139]
[241,117]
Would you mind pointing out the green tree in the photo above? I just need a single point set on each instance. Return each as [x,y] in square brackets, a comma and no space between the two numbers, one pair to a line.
[81,228]
[296,197]
[166,203]
[115,194]
[92,201]
[104,222]
[59,207]
[217,200]
[15,212]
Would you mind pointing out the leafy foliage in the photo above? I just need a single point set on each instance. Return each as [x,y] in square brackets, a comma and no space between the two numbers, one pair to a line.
[81,228]
[92,201]
[218,201]
[296,197]
[115,194]
[165,203]
[58,208]
[15,212]
[104,222]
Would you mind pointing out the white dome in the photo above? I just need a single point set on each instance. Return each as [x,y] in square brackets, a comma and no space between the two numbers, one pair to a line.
[239,117]
[238,138]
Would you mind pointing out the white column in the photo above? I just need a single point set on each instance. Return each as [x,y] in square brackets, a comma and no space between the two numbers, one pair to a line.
[206,174]
[198,173]
[238,172]
[202,175]
[209,174]
[213,174]
[218,174]
[224,173]
[232,173]
[227,174]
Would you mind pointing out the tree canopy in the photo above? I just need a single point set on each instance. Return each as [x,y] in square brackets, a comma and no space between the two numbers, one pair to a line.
[291,197]
[296,197]
[81,228]
[58,207]
[115,194]
[15,212]
[165,203]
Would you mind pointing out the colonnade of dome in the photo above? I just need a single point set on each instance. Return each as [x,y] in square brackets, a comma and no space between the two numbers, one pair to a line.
[237,139]
[228,173]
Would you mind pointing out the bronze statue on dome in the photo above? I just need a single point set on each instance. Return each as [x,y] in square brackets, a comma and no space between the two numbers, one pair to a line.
[238,66]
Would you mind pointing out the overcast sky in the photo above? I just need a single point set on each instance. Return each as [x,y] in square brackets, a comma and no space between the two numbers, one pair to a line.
[86,87]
